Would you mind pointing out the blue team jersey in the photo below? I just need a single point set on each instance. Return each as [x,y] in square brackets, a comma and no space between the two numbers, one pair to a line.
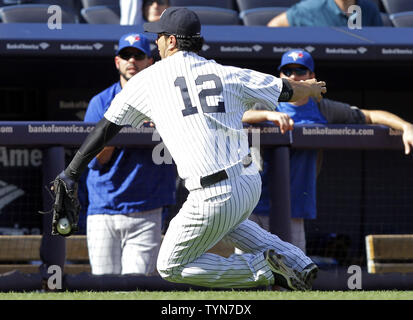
[303,163]
[302,166]
[130,182]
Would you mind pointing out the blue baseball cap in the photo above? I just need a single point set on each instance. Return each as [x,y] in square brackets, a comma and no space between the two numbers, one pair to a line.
[135,40]
[297,57]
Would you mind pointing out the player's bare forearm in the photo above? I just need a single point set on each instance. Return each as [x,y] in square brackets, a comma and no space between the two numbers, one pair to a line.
[280,119]
[255,116]
[308,88]
[105,155]
[395,122]
[279,21]
[386,118]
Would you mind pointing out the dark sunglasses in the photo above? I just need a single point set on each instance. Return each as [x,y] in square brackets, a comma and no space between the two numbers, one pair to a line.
[125,55]
[299,71]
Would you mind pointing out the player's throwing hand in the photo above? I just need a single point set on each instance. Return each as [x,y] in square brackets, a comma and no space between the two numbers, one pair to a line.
[283,120]
[317,88]
[408,138]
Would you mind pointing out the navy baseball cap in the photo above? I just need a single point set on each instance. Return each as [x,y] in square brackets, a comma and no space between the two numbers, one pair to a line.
[297,57]
[178,21]
[135,40]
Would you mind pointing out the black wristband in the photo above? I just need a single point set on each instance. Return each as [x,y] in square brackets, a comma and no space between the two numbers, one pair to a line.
[286,92]
[94,143]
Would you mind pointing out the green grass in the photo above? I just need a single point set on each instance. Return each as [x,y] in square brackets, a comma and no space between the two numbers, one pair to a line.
[212,295]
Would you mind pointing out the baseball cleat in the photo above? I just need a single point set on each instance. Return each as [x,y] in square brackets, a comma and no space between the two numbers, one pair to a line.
[309,274]
[284,276]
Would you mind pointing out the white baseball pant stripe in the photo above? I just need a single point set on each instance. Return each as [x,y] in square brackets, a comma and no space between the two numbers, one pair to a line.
[297,230]
[124,243]
[206,217]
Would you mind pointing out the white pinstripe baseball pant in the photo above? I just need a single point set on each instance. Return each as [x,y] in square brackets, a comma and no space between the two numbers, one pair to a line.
[124,243]
[206,217]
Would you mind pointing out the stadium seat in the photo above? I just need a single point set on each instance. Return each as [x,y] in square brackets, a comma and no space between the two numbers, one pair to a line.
[68,5]
[395,6]
[33,13]
[250,4]
[402,19]
[13,2]
[72,5]
[260,16]
[216,16]
[101,14]
[93,3]
[62,3]
[386,20]
[226,4]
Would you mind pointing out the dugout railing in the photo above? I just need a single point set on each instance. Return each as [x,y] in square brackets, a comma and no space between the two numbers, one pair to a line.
[54,137]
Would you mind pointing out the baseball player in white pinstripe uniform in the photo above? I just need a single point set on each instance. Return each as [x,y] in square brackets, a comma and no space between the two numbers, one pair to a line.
[197,106]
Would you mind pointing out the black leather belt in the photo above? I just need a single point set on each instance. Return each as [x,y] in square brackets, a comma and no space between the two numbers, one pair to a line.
[222,175]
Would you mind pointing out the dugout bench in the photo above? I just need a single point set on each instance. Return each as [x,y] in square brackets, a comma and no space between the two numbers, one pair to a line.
[385,253]
[22,253]
[389,253]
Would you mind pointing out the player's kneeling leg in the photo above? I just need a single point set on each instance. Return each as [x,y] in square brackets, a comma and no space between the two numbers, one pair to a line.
[167,271]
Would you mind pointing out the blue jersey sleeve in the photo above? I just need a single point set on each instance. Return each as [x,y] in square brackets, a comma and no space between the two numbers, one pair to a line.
[292,15]
[95,110]
[101,102]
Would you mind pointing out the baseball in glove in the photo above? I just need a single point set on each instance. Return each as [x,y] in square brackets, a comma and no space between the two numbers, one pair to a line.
[66,206]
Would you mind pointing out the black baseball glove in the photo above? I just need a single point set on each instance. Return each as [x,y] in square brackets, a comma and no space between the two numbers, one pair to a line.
[66,205]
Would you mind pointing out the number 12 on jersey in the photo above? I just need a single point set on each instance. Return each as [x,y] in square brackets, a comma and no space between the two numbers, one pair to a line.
[203,94]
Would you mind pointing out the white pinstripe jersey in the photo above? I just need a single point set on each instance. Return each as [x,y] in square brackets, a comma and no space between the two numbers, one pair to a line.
[197,106]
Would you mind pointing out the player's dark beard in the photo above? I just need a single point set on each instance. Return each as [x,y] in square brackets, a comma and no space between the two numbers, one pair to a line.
[124,76]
